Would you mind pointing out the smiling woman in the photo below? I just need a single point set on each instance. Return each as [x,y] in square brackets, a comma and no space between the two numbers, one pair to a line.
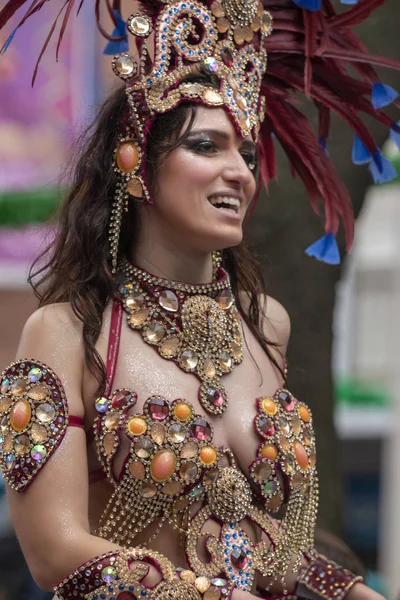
[158,385]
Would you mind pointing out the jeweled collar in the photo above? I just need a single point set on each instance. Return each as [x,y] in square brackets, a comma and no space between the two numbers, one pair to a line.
[195,325]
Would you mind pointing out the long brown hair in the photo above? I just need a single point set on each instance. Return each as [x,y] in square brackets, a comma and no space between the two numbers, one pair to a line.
[76,266]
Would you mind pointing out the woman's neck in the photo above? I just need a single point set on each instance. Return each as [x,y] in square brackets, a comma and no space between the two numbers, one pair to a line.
[174,264]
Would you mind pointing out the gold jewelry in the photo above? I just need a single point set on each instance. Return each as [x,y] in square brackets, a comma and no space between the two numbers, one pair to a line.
[196,326]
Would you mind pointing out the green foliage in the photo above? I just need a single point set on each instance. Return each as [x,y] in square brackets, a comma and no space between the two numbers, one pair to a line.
[22,207]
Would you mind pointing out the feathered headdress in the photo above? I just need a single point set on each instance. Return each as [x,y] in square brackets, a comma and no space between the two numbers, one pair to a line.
[263,53]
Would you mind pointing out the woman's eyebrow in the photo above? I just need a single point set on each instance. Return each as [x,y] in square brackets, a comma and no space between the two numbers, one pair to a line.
[211,132]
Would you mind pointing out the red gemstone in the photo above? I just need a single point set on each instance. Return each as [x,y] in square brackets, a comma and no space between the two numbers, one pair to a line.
[286,401]
[239,559]
[121,399]
[214,396]
[158,408]
[266,425]
[201,430]
[227,57]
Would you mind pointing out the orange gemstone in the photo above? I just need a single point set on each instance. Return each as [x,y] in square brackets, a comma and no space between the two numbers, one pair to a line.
[127,157]
[304,413]
[163,465]
[137,470]
[183,411]
[20,415]
[269,406]
[223,25]
[135,187]
[301,455]
[136,425]
[269,451]
[108,443]
[208,455]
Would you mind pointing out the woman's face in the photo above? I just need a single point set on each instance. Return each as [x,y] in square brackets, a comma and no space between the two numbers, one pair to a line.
[205,186]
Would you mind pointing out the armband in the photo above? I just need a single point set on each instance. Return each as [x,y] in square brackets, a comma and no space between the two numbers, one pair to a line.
[33,420]
[323,578]
[112,576]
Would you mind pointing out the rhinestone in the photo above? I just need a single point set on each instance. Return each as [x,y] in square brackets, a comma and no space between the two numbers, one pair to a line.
[144,448]
[38,392]
[284,442]
[266,23]
[38,452]
[109,443]
[296,424]
[157,433]
[21,445]
[301,455]
[158,409]
[18,387]
[134,301]
[10,461]
[260,9]
[225,361]
[223,26]
[240,101]
[39,433]
[256,24]
[188,576]
[177,433]
[307,436]
[135,187]
[275,501]
[262,471]
[5,403]
[208,455]
[270,487]
[239,559]
[237,351]
[189,450]
[211,64]
[209,368]
[45,413]
[137,319]
[269,451]
[286,400]
[169,347]
[201,430]
[239,35]
[212,97]
[188,471]
[137,470]
[169,301]
[284,425]
[163,465]
[155,332]
[124,66]
[304,413]
[172,488]
[297,480]
[248,34]
[4,425]
[288,463]
[111,420]
[35,374]
[197,492]
[101,404]
[202,584]
[214,396]
[244,120]
[5,386]
[265,425]
[183,411]
[269,406]
[190,89]
[148,490]
[312,458]
[8,442]
[211,476]
[122,398]
[217,9]
[219,582]
[108,574]
[189,360]
[136,426]
[139,25]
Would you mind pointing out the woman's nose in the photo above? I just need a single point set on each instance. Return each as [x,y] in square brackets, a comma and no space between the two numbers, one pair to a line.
[236,170]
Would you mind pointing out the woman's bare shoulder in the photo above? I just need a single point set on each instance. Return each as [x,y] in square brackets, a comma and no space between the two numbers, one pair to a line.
[275,320]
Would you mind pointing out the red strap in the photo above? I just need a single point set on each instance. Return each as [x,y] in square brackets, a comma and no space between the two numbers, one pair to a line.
[113,345]
[74,421]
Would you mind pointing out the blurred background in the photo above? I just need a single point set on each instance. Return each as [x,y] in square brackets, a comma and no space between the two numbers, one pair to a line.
[344,356]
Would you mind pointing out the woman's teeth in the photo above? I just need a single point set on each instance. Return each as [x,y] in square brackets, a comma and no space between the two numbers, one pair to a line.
[225,202]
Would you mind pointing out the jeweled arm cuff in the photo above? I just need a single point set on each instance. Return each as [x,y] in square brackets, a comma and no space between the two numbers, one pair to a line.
[112,576]
[323,578]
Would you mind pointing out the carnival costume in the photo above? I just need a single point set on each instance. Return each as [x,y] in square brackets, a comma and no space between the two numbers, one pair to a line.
[260,54]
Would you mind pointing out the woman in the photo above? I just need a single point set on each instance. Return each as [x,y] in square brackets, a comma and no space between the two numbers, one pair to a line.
[149,465]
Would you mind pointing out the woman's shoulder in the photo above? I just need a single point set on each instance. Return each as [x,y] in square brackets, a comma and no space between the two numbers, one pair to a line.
[274,319]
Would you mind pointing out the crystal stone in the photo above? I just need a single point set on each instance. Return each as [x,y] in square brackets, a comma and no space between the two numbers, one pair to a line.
[262,471]
[144,448]
[158,409]
[209,368]
[38,452]
[188,471]
[275,501]
[101,404]
[223,26]
[121,398]
[288,463]
[312,458]
[20,415]
[5,386]
[183,411]
[301,455]
[39,392]
[10,461]
[111,420]
[139,25]
[21,444]
[134,300]
[136,426]
[137,319]
[307,436]
[108,574]
[217,9]
[169,301]
[211,64]
[284,425]
[8,442]
[239,559]
[4,425]
[163,465]
[169,347]
[284,442]
[124,66]
[137,470]
[212,97]
[238,35]
[18,387]
[265,425]
[189,450]
[177,433]
[109,443]
[225,361]
[266,23]
[270,487]
[172,488]
[135,187]
[5,403]
[35,374]
[155,332]
[189,359]
[39,433]
[211,476]
[219,582]
[286,400]
[201,430]
[148,490]
[269,406]
[214,396]
[296,424]
[157,433]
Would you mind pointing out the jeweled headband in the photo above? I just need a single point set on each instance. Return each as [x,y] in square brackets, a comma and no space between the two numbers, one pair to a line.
[309,46]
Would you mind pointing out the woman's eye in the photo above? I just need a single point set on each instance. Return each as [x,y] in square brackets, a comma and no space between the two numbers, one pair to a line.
[250,159]
[205,147]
